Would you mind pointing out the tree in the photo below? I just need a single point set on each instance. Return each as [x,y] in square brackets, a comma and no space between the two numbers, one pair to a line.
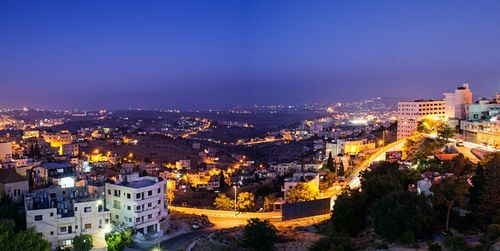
[304,191]
[119,240]
[222,202]
[460,166]
[449,192]
[377,186]
[170,196]
[402,215]
[222,185]
[349,213]
[246,201]
[23,240]
[269,202]
[445,132]
[82,242]
[329,163]
[259,235]
[490,199]
[341,171]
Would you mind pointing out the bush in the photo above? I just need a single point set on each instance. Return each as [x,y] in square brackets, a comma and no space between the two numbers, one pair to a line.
[493,232]
[456,242]
[259,235]
[433,246]
[349,213]
[401,212]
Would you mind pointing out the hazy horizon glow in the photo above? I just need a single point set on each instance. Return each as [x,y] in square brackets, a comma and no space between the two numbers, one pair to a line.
[219,54]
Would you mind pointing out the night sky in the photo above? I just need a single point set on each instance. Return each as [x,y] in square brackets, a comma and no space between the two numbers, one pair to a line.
[217,54]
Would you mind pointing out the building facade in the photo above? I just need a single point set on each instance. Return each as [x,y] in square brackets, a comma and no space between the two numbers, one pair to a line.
[137,202]
[409,113]
[456,103]
[60,214]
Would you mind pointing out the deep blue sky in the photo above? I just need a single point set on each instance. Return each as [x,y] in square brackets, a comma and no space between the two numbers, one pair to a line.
[200,54]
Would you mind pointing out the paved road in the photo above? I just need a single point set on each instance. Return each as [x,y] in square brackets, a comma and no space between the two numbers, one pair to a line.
[181,241]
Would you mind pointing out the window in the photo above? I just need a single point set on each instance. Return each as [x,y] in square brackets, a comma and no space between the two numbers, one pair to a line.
[138,196]
[150,193]
[51,232]
[76,227]
[159,190]
[150,216]
[88,226]
[129,208]
[38,217]
[116,204]
[137,219]
[159,202]
[109,191]
[129,219]
[63,229]
[138,208]
[51,214]
[150,204]
[87,209]
[117,217]
[117,193]
[128,195]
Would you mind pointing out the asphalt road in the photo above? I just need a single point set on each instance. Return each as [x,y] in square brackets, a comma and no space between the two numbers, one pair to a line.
[181,241]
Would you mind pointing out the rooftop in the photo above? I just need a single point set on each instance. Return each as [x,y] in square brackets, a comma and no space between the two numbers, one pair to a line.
[10,175]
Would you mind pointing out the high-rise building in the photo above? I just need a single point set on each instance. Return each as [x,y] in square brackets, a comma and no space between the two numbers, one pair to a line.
[456,103]
[409,113]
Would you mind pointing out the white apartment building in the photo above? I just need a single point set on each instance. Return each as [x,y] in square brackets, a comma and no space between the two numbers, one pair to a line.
[409,113]
[456,103]
[137,202]
[60,214]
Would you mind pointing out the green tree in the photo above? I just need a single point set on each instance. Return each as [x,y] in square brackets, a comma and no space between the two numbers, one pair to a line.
[269,202]
[449,192]
[460,166]
[222,202]
[329,163]
[445,132]
[117,241]
[259,235]
[349,212]
[490,198]
[402,215]
[82,242]
[20,241]
[246,201]
[303,191]
[341,171]
[170,196]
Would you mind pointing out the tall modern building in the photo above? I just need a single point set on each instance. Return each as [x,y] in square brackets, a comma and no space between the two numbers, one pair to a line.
[409,113]
[456,103]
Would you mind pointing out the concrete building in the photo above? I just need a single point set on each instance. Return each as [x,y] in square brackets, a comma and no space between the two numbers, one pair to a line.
[300,177]
[5,151]
[350,147]
[483,109]
[409,113]
[58,140]
[12,184]
[137,202]
[60,214]
[53,173]
[456,103]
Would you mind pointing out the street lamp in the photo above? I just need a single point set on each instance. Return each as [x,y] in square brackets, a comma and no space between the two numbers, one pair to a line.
[235,204]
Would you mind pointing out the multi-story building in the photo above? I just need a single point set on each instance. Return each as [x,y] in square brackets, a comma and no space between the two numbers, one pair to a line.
[137,202]
[300,177]
[53,173]
[409,113]
[58,140]
[12,184]
[351,147]
[456,103]
[483,109]
[60,214]
[70,149]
